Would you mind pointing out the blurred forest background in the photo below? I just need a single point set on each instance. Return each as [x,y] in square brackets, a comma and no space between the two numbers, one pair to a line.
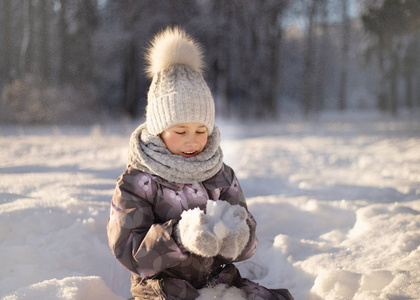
[67,61]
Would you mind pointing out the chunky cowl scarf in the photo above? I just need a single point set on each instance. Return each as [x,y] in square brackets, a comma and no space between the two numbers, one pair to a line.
[148,153]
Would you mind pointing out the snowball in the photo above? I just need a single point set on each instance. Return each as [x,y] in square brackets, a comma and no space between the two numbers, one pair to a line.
[196,235]
[216,209]
[221,230]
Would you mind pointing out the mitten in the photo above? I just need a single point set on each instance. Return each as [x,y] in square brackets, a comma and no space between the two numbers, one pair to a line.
[214,213]
[236,232]
[194,233]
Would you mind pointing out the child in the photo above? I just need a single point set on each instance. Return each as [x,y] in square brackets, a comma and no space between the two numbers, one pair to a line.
[178,215]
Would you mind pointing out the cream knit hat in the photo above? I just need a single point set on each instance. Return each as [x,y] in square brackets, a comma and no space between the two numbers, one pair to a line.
[178,92]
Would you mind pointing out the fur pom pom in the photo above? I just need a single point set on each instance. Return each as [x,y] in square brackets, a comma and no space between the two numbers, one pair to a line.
[173,47]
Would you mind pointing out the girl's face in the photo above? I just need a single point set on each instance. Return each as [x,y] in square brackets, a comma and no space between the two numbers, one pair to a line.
[186,139]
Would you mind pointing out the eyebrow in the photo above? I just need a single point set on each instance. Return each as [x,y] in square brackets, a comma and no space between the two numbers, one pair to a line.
[181,126]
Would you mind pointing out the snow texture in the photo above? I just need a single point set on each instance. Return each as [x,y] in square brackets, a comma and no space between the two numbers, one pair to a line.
[337,202]
[229,226]
[70,288]
[196,235]
[222,229]
[221,291]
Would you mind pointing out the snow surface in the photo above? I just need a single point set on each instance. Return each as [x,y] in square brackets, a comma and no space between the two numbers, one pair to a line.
[337,201]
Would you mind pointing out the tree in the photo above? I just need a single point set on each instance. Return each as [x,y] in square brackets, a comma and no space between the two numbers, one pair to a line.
[131,81]
[76,25]
[342,95]
[308,73]
[223,12]
[248,52]
[391,24]
[411,63]
[271,59]
[63,72]
[324,53]
[25,50]
[6,31]
[44,38]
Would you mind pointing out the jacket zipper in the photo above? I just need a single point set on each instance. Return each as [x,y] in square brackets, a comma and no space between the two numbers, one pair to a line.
[205,191]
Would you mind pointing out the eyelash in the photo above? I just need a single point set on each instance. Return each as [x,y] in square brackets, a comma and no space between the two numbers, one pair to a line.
[198,132]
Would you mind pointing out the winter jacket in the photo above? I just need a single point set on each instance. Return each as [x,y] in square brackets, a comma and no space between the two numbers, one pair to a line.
[144,210]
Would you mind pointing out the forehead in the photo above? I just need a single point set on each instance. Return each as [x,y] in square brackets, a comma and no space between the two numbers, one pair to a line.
[189,125]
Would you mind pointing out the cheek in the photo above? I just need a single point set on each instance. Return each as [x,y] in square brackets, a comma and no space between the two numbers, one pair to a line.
[172,141]
[203,141]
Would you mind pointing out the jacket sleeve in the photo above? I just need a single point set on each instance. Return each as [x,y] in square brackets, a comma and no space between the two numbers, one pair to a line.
[234,195]
[141,245]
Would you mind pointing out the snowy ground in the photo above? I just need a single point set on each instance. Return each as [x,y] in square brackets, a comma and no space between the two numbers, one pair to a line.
[337,201]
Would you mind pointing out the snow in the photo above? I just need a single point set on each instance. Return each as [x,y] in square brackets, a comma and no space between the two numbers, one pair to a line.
[222,226]
[222,292]
[71,288]
[336,199]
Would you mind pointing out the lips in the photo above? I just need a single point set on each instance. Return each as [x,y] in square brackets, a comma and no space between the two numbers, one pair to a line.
[189,153]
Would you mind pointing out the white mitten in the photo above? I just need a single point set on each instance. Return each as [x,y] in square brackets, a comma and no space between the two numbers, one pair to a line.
[214,212]
[195,234]
[237,233]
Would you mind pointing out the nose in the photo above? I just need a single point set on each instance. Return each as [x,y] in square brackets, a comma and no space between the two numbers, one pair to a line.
[191,140]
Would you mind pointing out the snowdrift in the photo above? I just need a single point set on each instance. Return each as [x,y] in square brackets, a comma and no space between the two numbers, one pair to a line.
[337,202]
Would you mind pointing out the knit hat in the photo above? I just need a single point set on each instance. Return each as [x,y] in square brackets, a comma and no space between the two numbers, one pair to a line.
[178,92]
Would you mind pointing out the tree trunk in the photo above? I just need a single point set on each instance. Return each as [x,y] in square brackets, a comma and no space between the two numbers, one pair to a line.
[308,64]
[87,11]
[130,81]
[319,102]
[43,13]
[247,43]
[272,88]
[393,77]
[23,56]
[7,47]
[411,63]
[222,56]
[408,90]
[64,48]
[382,99]
[342,104]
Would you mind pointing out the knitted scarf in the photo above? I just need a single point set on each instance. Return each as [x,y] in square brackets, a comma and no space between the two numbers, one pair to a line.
[148,153]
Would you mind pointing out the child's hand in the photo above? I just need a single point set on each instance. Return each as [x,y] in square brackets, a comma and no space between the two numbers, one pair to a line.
[228,223]
[195,235]
[222,230]
[238,234]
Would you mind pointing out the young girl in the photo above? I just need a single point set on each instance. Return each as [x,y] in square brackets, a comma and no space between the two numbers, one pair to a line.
[178,215]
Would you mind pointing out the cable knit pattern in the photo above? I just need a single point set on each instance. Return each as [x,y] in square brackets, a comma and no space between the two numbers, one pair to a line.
[178,92]
[148,153]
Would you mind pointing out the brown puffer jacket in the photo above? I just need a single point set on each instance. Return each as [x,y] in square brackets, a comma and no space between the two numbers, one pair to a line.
[144,210]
